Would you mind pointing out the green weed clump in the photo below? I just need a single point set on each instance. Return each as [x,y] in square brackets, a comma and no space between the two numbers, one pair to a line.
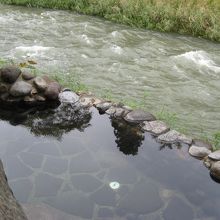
[194,17]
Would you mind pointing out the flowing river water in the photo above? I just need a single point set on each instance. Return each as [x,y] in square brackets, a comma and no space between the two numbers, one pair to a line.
[177,74]
[78,165]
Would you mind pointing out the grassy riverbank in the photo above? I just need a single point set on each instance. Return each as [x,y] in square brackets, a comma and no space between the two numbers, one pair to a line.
[194,17]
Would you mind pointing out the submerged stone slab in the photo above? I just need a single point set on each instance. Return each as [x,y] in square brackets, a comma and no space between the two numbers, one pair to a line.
[138,116]
[215,170]
[10,74]
[104,196]
[86,182]
[199,152]
[177,209]
[47,185]
[73,203]
[155,127]
[83,163]
[20,88]
[55,165]
[143,199]
[215,155]
[174,137]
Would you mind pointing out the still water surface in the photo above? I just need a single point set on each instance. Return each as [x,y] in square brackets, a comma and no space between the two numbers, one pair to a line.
[96,167]
[177,73]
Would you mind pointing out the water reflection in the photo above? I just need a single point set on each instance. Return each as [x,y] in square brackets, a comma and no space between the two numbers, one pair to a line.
[128,137]
[49,120]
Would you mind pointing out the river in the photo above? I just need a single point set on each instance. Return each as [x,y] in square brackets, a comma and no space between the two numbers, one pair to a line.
[163,72]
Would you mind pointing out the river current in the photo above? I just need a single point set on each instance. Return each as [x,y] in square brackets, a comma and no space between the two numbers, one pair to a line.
[165,72]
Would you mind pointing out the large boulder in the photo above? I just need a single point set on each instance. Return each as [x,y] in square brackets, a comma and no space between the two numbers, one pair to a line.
[20,88]
[10,74]
[9,207]
[52,91]
[40,83]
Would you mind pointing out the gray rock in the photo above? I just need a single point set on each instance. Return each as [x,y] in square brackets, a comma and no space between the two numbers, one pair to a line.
[215,155]
[199,152]
[40,83]
[138,116]
[201,143]
[52,91]
[120,112]
[215,170]
[111,111]
[155,127]
[68,97]
[10,74]
[20,88]
[86,100]
[103,106]
[174,137]
[27,76]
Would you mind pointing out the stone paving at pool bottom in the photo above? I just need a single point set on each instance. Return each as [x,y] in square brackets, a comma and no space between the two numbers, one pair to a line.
[69,177]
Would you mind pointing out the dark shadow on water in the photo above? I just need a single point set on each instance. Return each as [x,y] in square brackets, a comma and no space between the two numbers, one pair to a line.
[128,137]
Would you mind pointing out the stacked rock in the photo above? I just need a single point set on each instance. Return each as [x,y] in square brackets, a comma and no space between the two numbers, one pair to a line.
[20,86]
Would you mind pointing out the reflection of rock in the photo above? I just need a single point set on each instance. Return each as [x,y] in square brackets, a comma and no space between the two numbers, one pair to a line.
[56,122]
[128,137]
[9,208]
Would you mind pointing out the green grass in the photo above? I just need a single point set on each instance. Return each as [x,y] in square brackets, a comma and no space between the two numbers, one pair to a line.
[194,17]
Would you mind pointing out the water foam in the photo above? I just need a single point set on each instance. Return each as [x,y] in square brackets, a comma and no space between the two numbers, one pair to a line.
[201,59]
[116,49]
[32,48]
